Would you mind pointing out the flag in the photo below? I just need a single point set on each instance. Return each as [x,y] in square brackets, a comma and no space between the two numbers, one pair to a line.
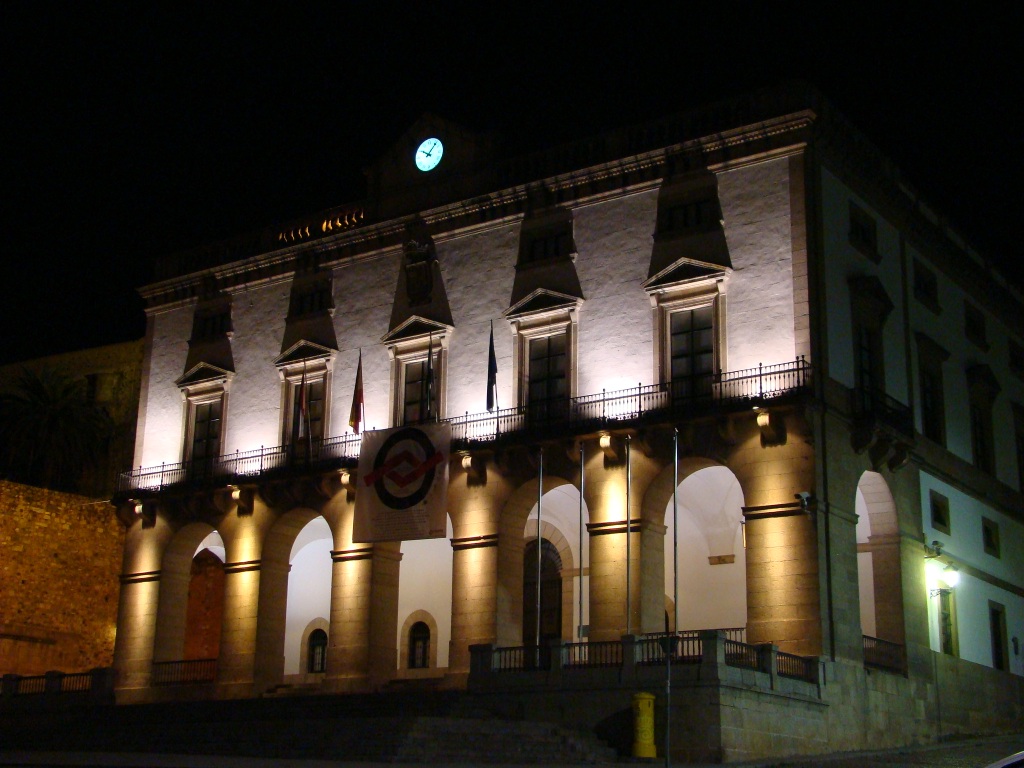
[492,374]
[356,416]
[430,373]
[299,409]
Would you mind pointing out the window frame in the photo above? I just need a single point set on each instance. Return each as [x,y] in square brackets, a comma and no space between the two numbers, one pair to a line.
[939,501]
[860,221]
[990,537]
[315,369]
[525,329]
[930,357]
[683,299]
[193,397]
[413,350]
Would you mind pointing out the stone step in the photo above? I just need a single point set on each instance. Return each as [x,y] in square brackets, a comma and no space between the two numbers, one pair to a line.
[422,727]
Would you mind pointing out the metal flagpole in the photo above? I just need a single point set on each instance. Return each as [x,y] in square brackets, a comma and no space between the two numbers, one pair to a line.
[675,529]
[583,476]
[629,524]
[540,504]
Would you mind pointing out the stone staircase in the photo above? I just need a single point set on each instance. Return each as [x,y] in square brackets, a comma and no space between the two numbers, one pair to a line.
[424,728]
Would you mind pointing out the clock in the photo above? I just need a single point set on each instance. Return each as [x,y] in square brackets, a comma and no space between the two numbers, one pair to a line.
[428,155]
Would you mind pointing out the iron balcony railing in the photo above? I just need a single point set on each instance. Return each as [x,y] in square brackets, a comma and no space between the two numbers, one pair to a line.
[557,417]
[873,403]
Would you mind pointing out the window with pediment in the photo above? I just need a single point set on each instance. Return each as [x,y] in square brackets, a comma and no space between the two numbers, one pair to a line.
[545,355]
[204,392]
[419,352]
[305,373]
[689,320]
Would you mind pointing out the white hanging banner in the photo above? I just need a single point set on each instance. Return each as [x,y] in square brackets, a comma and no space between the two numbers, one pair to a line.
[402,490]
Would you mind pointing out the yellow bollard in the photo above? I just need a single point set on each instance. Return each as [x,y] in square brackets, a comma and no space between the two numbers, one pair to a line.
[643,725]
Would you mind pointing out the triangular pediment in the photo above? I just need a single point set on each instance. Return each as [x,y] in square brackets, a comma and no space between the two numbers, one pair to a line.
[203,373]
[303,350]
[415,327]
[542,300]
[684,271]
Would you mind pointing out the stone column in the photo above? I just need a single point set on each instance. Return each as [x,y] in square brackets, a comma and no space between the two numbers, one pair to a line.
[236,665]
[136,631]
[474,597]
[348,654]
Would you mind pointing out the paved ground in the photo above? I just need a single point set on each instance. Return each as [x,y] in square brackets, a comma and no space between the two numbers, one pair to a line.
[972,753]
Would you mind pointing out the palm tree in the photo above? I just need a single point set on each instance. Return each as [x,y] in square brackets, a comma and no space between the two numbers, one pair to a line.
[51,434]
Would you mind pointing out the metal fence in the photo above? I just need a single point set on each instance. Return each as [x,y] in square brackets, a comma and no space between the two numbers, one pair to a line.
[883,654]
[184,672]
[796,667]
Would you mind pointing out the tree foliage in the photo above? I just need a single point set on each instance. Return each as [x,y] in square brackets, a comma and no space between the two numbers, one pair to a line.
[51,434]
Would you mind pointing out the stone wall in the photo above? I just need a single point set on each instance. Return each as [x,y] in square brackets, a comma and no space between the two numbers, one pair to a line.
[58,580]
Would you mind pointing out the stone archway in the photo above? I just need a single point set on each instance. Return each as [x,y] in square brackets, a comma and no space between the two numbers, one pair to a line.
[878,560]
[520,506]
[175,578]
[272,606]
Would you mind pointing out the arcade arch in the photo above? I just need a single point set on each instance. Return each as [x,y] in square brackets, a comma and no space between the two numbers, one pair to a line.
[564,548]
[879,576]
[309,588]
[711,558]
[295,588]
[184,586]
[425,588]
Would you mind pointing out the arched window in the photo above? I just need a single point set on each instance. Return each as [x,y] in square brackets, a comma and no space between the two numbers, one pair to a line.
[317,658]
[419,646]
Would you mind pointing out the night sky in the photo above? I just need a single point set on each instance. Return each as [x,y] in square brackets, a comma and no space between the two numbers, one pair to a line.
[130,131]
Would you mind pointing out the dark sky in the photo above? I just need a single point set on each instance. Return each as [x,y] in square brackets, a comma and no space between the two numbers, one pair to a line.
[130,131]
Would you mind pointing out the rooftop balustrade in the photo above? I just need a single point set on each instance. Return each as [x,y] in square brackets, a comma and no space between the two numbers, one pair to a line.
[635,406]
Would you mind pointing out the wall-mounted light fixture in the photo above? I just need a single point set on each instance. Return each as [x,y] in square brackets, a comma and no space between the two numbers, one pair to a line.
[609,445]
[475,468]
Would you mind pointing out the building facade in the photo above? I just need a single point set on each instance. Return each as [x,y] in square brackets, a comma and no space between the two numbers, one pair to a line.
[702,374]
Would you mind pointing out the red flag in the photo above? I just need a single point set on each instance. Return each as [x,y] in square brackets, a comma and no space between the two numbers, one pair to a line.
[356,416]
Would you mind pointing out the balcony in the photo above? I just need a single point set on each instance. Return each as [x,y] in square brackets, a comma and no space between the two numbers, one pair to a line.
[638,406]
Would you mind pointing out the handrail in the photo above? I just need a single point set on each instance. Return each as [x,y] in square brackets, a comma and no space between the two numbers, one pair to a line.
[184,671]
[884,654]
[557,416]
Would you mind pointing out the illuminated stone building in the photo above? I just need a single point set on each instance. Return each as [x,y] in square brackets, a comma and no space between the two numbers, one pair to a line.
[751,287]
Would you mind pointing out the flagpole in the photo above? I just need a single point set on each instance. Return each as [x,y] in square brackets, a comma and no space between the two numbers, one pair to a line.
[629,524]
[583,480]
[540,506]
[675,529]
[305,413]
[430,373]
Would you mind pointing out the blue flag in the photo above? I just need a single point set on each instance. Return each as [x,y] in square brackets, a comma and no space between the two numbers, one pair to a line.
[492,374]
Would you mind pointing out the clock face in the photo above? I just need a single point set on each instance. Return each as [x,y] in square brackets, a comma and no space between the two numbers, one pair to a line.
[429,154]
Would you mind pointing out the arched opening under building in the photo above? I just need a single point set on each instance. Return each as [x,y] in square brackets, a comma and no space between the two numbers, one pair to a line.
[309,589]
[425,589]
[550,595]
[190,609]
[878,560]
[711,563]
[204,614]
[565,546]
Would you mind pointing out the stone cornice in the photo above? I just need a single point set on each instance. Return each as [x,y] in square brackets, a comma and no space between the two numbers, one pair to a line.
[256,259]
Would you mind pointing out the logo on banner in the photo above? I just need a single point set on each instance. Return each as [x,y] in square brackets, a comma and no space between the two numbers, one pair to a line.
[403,476]
[403,484]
